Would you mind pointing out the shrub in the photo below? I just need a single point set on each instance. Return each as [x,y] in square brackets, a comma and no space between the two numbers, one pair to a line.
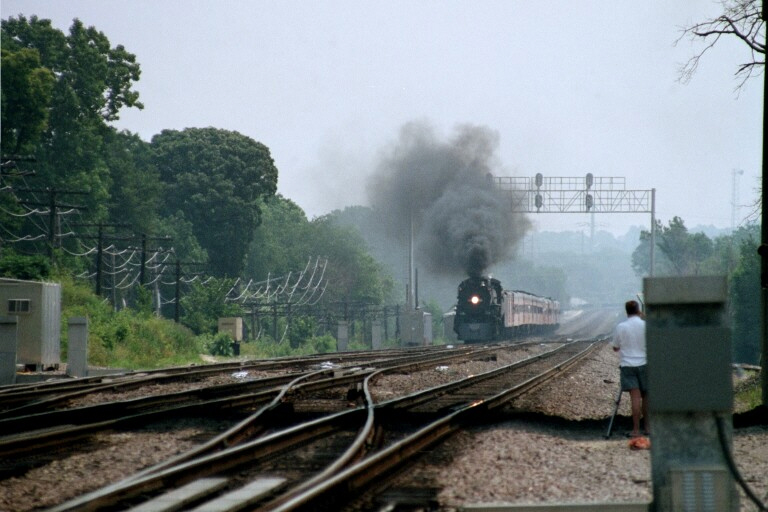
[323,344]
[126,339]
[219,344]
[35,268]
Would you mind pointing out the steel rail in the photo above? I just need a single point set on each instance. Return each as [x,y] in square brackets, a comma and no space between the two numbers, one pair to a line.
[427,395]
[118,378]
[232,436]
[26,392]
[117,409]
[246,428]
[370,470]
[155,479]
[114,410]
[65,382]
[214,463]
[85,421]
[44,439]
[69,390]
[364,441]
[34,402]
[35,441]
[193,465]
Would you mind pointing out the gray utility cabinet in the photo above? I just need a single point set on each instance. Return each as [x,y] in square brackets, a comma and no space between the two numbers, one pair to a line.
[37,306]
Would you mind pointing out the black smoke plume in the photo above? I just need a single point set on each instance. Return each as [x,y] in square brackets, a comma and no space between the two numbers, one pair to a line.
[461,222]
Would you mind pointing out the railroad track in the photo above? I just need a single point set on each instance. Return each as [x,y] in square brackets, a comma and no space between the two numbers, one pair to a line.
[373,473]
[58,428]
[18,399]
[318,464]
[59,395]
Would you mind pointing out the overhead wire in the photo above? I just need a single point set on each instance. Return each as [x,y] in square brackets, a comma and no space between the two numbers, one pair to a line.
[123,265]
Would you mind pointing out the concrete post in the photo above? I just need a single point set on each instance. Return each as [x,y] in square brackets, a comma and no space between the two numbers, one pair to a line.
[426,330]
[690,395]
[376,334]
[8,343]
[342,340]
[77,353]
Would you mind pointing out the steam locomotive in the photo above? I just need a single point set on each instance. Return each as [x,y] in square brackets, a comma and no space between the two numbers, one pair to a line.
[486,312]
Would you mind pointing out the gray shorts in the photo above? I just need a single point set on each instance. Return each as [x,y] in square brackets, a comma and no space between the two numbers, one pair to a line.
[634,377]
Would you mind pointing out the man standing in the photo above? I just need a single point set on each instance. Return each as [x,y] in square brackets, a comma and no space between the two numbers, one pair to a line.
[629,341]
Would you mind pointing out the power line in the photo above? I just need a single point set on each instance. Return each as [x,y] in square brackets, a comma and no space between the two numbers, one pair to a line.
[53,205]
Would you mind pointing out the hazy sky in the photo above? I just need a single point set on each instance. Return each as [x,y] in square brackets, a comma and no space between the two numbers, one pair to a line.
[570,87]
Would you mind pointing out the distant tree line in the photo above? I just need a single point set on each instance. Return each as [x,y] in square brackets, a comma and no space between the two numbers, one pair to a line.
[680,253]
[78,196]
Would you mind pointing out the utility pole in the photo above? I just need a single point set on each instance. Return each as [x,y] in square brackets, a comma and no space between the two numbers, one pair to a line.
[411,304]
[143,259]
[143,264]
[100,247]
[144,240]
[10,169]
[177,291]
[52,211]
[763,249]
[735,196]
[653,230]
[177,294]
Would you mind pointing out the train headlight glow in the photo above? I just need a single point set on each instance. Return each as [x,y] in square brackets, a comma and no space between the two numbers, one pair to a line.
[474,300]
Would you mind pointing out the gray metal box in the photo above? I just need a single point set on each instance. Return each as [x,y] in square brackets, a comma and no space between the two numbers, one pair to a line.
[686,290]
[689,369]
[427,329]
[412,327]
[232,325]
[37,306]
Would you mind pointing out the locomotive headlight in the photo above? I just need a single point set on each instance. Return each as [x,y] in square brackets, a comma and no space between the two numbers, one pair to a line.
[474,300]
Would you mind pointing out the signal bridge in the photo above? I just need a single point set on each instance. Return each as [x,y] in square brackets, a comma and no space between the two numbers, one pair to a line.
[590,194]
[574,194]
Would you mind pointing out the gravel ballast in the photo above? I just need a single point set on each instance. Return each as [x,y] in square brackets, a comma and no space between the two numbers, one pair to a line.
[548,446]
[551,448]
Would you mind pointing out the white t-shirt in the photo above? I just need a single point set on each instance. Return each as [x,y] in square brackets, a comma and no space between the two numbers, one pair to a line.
[630,340]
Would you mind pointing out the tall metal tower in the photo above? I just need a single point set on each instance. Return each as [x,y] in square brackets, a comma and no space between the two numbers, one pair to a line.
[735,197]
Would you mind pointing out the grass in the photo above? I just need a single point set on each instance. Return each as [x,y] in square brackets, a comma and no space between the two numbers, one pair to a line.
[748,393]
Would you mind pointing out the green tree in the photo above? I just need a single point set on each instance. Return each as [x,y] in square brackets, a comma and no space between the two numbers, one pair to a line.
[724,257]
[355,275]
[26,99]
[185,245]
[745,300]
[726,253]
[301,330]
[135,189]
[17,266]
[685,251]
[216,179]
[286,241]
[279,243]
[205,303]
[98,75]
[434,309]
[679,252]
[93,82]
